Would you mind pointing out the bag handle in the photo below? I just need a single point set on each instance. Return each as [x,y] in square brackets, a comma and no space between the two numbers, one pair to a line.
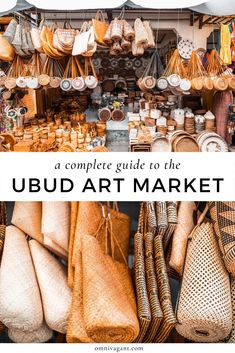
[88,61]
[79,67]
[100,16]
[67,25]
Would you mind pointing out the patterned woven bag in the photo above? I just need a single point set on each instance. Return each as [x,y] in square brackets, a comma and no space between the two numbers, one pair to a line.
[143,305]
[223,216]
[162,223]
[204,306]
[171,211]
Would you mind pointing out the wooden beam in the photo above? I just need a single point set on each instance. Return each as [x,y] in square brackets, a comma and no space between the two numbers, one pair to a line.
[207,20]
[200,21]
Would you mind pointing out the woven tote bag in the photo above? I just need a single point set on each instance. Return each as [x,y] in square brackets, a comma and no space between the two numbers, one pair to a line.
[232,334]
[42,334]
[20,307]
[27,217]
[108,298]
[169,319]
[56,222]
[204,310]
[3,222]
[171,211]
[186,223]
[223,216]
[53,284]
[143,305]
[73,221]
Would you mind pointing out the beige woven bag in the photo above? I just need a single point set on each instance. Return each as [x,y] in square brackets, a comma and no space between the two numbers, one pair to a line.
[56,222]
[27,217]
[232,334]
[52,280]
[204,307]
[184,227]
[42,334]
[108,298]
[20,301]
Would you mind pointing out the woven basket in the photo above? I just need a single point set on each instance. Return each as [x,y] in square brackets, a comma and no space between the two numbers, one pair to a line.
[111,317]
[42,334]
[152,288]
[73,221]
[232,334]
[27,217]
[184,227]
[223,216]
[3,222]
[21,306]
[204,307]
[55,222]
[52,280]
[169,320]
[144,311]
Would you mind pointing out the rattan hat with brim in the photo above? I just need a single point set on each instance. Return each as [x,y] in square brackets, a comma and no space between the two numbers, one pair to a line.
[20,301]
[53,284]
[27,217]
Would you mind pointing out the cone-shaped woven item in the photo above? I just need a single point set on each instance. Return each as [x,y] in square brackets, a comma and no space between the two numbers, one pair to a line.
[27,217]
[76,332]
[52,280]
[55,248]
[20,301]
[223,216]
[204,309]
[56,221]
[73,221]
[232,334]
[184,227]
[108,297]
[42,334]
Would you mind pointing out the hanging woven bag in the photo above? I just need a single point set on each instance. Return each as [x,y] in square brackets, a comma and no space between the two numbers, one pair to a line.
[100,27]
[53,283]
[141,36]
[20,307]
[10,30]
[204,310]
[7,52]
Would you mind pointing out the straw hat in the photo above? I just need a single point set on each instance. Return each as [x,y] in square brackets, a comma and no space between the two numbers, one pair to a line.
[42,334]
[56,222]
[27,217]
[52,280]
[20,301]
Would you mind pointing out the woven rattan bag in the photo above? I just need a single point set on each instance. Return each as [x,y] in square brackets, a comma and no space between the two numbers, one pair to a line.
[223,216]
[53,284]
[143,305]
[108,297]
[171,211]
[56,222]
[27,217]
[42,334]
[20,301]
[232,334]
[204,310]
[184,227]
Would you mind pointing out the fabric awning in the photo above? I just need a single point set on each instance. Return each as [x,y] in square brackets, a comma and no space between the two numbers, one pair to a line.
[216,7]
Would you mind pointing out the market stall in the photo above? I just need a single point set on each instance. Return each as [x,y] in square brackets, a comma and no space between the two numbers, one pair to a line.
[83,80]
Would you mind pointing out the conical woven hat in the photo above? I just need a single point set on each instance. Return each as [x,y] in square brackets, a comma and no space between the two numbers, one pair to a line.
[52,280]
[204,311]
[20,301]
[56,222]
[108,297]
[27,217]
[42,334]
